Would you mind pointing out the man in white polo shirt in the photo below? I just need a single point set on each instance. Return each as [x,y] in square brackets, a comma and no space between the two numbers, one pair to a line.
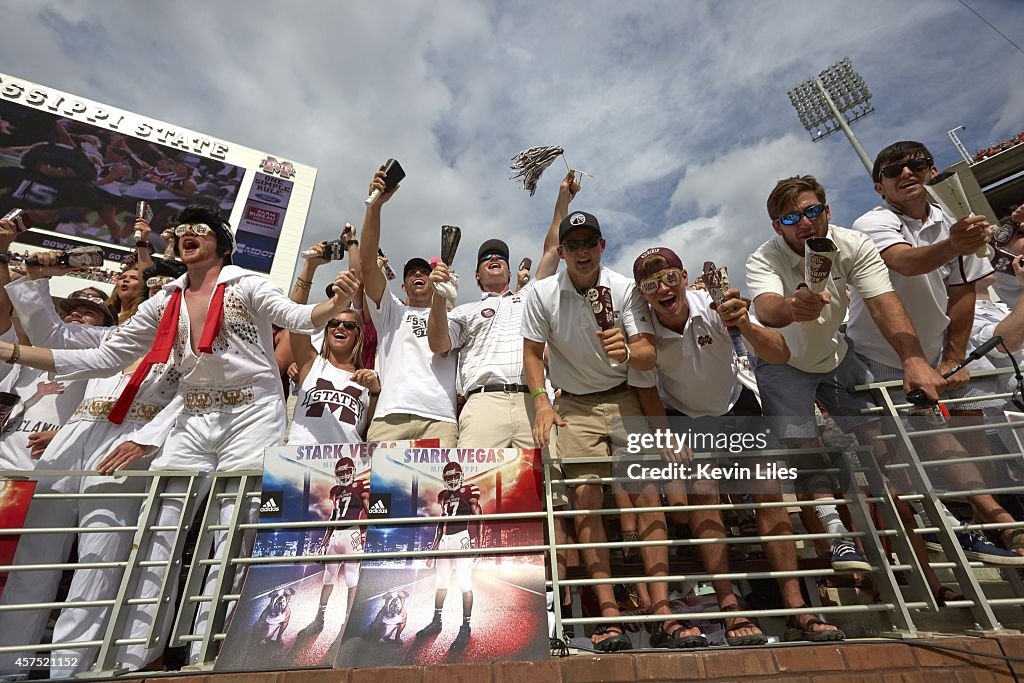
[820,365]
[933,267]
[698,376]
[417,396]
[596,368]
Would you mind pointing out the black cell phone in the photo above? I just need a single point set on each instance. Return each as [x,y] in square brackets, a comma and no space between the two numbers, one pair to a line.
[525,264]
[1003,261]
[393,174]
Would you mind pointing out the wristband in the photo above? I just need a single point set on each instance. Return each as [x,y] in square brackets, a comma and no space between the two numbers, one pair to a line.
[537,392]
[15,353]
[352,243]
[625,361]
[303,284]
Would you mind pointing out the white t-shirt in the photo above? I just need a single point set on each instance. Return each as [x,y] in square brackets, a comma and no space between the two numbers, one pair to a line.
[329,407]
[488,335]
[817,345]
[559,315]
[925,297]
[45,404]
[412,378]
[697,370]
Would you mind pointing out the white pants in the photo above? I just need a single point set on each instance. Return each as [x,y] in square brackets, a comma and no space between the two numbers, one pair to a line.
[463,566]
[212,442]
[78,446]
[344,542]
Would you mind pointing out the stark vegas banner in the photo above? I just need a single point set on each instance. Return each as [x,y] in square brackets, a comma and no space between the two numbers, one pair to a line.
[453,609]
[293,615]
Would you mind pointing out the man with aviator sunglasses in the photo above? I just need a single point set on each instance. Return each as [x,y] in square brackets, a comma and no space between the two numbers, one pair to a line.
[698,377]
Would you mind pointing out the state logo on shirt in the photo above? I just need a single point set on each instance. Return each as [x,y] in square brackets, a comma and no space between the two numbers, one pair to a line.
[342,403]
[704,339]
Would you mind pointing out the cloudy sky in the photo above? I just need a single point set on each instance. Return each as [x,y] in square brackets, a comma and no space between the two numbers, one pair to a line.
[678,107]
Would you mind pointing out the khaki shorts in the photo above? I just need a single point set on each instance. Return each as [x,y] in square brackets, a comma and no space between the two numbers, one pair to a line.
[594,429]
[403,426]
[497,419]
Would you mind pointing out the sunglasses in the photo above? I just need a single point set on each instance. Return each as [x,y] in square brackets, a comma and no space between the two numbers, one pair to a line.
[492,254]
[198,229]
[158,281]
[811,212]
[671,278]
[347,324]
[915,165]
[576,245]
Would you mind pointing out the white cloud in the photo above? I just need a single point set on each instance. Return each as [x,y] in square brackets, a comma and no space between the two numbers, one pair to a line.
[679,108]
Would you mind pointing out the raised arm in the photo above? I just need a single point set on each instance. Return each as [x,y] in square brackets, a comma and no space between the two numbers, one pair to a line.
[567,191]
[301,344]
[438,338]
[374,283]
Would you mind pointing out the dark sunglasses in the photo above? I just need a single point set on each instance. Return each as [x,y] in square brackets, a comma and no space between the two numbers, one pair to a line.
[492,254]
[347,324]
[812,212]
[576,245]
[915,165]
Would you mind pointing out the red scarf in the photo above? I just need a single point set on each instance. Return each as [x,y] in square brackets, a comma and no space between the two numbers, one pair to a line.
[166,333]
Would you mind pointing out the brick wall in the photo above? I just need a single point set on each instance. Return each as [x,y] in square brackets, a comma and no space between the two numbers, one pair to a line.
[877,662]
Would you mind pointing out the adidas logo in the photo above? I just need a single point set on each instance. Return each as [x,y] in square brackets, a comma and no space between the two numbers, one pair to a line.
[270,506]
[379,508]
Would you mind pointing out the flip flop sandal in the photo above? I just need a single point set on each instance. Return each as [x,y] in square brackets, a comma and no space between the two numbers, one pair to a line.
[660,639]
[616,643]
[747,640]
[807,633]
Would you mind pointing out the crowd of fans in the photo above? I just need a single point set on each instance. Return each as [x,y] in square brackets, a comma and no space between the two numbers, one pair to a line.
[188,363]
[983,154]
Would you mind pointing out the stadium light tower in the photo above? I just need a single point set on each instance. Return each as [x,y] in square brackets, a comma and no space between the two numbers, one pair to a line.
[831,101]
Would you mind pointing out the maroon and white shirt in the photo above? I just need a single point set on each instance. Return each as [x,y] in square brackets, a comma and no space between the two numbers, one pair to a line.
[329,407]
[348,500]
[457,503]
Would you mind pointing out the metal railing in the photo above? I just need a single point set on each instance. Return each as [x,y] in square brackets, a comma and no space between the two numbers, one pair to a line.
[213,579]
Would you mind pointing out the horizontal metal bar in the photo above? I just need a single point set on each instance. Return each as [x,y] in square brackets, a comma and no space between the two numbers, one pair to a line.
[62,566]
[728,576]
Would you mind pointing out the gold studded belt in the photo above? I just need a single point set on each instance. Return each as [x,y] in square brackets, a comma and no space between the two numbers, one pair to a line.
[199,401]
[97,410]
